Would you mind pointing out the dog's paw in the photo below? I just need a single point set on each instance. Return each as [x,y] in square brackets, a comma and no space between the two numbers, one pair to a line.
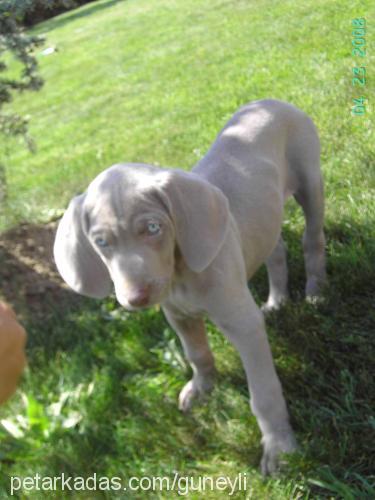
[193,390]
[274,304]
[188,394]
[274,446]
[314,289]
[314,300]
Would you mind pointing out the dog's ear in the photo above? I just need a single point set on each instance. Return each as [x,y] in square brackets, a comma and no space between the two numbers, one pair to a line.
[200,213]
[77,262]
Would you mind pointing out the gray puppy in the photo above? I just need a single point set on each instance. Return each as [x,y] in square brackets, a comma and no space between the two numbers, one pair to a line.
[191,241]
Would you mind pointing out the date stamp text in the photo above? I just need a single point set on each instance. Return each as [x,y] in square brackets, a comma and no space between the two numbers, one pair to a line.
[359,71]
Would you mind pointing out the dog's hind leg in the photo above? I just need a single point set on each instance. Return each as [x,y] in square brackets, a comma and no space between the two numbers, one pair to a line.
[303,154]
[311,198]
[277,270]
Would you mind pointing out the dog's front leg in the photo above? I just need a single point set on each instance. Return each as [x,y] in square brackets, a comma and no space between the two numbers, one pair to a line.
[242,323]
[193,337]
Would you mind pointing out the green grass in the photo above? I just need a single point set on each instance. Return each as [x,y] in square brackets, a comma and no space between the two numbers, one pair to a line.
[154,81]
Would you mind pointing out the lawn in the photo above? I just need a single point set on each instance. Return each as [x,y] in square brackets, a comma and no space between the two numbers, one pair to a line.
[154,81]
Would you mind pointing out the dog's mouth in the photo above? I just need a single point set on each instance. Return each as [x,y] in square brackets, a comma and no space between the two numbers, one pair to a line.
[134,308]
[144,297]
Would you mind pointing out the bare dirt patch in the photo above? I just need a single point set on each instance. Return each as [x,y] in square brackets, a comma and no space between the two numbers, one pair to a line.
[29,280]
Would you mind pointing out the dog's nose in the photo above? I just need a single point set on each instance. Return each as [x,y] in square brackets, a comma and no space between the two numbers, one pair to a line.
[139,297]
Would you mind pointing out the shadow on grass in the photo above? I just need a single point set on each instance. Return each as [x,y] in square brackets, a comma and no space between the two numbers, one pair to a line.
[325,352]
[324,355]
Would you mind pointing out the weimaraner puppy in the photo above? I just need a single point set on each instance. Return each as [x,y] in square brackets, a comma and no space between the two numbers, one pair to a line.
[191,241]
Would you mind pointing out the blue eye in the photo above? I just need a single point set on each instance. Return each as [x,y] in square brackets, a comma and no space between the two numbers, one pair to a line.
[153,227]
[101,242]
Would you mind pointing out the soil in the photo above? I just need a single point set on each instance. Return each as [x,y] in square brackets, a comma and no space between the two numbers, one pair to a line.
[29,280]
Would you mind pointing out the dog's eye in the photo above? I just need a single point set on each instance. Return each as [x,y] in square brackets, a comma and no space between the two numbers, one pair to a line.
[101,242]
[153,227]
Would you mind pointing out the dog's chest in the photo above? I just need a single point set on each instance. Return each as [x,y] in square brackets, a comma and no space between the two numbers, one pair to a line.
[186,300]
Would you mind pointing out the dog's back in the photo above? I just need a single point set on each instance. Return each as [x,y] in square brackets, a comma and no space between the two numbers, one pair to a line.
[265,153]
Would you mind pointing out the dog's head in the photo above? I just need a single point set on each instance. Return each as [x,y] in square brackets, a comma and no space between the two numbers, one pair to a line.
[127,226]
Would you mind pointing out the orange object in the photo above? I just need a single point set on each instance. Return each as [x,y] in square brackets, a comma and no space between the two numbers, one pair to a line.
[12,351]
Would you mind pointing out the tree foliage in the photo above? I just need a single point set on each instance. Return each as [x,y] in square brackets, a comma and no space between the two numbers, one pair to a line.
[35,11]
[16,44]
